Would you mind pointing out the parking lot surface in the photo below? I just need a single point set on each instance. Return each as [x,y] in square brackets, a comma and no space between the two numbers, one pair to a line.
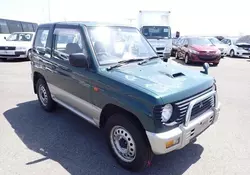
[35,142]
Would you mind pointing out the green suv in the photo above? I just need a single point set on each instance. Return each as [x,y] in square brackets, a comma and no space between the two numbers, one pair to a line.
[111,76]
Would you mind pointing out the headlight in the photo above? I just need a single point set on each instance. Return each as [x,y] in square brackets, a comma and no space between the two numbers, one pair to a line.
[166,112]
[193,51]
[167,50]
[20,48]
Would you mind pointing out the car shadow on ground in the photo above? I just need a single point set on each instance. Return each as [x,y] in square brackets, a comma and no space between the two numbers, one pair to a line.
[80,147]
[181,61]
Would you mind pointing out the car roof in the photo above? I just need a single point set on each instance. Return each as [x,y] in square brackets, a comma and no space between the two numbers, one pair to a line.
[86,23]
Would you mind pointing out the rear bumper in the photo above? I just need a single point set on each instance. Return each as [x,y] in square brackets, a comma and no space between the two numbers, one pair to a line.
[162,143]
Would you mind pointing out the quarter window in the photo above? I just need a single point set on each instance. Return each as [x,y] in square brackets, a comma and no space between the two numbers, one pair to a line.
[66,42]
[14,26]
[41,38]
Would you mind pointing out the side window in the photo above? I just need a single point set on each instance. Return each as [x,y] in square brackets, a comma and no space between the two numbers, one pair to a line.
[14,26]
[41,38]
[185,42]
[224,41]
[180,43]
[3,27]
[66,42]
[25,27]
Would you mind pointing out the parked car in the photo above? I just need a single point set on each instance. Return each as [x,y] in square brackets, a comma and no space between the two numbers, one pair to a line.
[237,46]
[175,46]
[220,45]
[198,49]
[17,45]
[110,76]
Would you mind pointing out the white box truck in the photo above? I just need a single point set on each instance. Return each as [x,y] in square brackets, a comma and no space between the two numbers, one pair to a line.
[154,25]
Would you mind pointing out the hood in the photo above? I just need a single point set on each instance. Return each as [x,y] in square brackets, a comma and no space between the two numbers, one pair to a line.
[167,81]
[160,42]
[204,48]
[221,45]
[16,43]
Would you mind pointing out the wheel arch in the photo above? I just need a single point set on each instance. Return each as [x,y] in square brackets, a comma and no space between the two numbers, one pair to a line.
[111,109]
[36,77]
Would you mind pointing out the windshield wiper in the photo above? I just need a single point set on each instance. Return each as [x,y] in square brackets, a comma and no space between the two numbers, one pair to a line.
[146,60]
[121,63]
[131,60]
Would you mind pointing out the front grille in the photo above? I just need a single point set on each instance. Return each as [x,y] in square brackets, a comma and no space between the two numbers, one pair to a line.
[246,53]
[201,107]
[159,48]
[207,57]
[221,49]
[183,105]
[7,48]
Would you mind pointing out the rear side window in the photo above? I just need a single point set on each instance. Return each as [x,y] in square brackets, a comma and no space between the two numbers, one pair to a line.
[3,27]
[41,38]
[66,42]
[14,26]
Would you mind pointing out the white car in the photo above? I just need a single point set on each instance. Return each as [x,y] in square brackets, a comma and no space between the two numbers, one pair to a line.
[220,45]
[237,47]
[17,45]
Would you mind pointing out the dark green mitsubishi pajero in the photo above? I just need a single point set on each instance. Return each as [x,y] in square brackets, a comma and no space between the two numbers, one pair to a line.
[111,76]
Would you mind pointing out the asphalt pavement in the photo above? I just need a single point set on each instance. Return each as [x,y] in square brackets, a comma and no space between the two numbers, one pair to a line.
[35,142]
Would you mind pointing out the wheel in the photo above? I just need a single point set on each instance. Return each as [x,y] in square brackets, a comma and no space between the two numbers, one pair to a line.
[29,55]
[44,96]
[186,60]
[231,53]
[176,55]
[127,143]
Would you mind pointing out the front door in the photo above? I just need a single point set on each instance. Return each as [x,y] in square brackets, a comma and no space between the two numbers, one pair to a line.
[72,85]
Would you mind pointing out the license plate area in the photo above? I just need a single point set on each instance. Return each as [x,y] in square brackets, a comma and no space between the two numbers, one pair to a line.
[199,128]
[5,52]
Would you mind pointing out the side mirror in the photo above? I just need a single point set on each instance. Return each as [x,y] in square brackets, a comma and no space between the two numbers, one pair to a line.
[78,60]
[205,67]
[4,38]
[185,45]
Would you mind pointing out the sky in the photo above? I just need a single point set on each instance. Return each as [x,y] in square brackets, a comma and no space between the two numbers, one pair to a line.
[190,17]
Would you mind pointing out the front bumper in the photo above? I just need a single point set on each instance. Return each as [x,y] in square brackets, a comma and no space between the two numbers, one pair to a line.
[166,56]
[242,53]
[14,55]
[204,59]
[184,134]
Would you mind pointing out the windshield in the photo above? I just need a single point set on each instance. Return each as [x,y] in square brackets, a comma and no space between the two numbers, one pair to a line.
[215,41]
[200,41]
[156,32]
[20,37]
[114,44]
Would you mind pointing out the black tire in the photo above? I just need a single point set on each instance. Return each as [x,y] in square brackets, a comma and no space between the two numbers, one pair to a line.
[176,55]
[50,104]
[143,155]
[232,54]
[28,55]
[186,59]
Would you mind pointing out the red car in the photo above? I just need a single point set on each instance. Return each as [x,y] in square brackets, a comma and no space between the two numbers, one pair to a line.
[198,49]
